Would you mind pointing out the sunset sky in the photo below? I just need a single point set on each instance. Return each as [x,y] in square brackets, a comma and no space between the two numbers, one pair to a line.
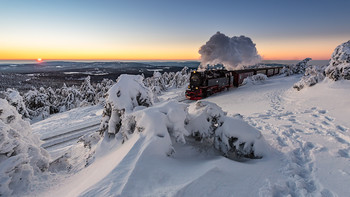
[164,29]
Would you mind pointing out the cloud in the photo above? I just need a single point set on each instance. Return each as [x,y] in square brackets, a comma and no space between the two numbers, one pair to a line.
[233,53]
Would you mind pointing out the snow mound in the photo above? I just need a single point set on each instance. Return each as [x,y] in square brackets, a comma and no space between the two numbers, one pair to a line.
[339,65]
[22,160]
[313,75]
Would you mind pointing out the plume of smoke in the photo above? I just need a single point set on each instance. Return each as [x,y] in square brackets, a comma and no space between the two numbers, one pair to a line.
[233,53]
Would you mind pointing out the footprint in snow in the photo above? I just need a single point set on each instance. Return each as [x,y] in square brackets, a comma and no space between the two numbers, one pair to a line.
[329,118]
[341,140]
[322,111]
[315,115]
[325,123]
[341,128]
[287,126]
[344,153]
[292,120]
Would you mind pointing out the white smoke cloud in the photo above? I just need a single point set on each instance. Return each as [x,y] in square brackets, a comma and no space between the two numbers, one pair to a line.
[233,53]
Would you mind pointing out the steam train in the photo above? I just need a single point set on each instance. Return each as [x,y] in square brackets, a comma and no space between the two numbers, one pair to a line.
[208,82]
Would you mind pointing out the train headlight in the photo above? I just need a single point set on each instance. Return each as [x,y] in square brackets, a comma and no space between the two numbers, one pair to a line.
[194,71]
[196,88]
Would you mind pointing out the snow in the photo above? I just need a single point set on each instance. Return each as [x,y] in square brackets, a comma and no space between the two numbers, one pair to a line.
[22,161]
[303,137]
[61,123]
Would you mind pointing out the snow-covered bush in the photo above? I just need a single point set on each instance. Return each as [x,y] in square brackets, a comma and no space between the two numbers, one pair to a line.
[258,78]
[339,65]
[205,118]
[236,138]
[16,100]
[313,75]
[230,135]
[128,93]
[298,68]
[22,160]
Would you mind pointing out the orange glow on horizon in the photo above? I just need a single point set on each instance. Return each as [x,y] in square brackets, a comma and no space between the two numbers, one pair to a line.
[290,49]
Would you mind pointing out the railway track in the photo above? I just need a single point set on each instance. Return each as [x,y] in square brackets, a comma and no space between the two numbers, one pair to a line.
[69,136]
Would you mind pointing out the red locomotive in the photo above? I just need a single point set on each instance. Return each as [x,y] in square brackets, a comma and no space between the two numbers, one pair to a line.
[206,83]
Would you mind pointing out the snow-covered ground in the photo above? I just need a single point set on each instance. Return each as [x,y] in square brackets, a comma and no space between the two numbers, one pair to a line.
[60,131]
[307,131]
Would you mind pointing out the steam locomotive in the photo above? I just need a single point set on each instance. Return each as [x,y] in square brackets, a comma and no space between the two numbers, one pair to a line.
[208,82]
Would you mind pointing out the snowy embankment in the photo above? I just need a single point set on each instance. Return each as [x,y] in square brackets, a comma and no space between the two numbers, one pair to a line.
[307,131]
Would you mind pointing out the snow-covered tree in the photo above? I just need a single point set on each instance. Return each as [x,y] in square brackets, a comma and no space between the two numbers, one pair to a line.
[70,98]
[313,75]
[180,78]
[37,103]
[22,160]
[339,65]
[161,82]
[101,90]
[15,99]
[52,99]
[87,92]
[298,68]
[128,93]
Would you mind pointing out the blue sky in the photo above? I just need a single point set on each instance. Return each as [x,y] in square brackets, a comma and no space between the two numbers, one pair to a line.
[168,29]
